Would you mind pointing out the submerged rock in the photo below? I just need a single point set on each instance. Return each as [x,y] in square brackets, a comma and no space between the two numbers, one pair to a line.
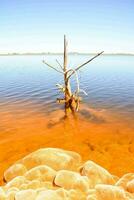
[56,174]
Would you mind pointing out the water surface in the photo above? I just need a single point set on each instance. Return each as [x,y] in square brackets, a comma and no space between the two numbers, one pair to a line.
[26,81]
[30,118]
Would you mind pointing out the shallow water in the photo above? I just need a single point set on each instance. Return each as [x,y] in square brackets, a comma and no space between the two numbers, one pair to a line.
[26,82]
[30,118]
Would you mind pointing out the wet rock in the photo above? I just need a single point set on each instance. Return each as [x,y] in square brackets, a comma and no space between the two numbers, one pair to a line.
[26,195]
[42,173]
[13,171]
[76,194]
[130,186]
[16,182]
[123,181]
[109,192]
[2,194]
[96,174]
[60,194]
[10,195]
[71,180]
[53,157]
[55,174]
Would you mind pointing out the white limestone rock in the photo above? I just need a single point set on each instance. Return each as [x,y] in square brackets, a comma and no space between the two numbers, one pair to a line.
[71,180]
[52,174]
[92,197]
[2,194]
[60,194]
[53,157]
[109,192]
[96,174]
[42,173]
[26,195]
[76,194]
[130,186]
[123,181]
[16,182]
[10,195]
[13,171]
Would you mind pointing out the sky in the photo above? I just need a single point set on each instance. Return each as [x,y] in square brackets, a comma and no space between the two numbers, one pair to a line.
[90,25]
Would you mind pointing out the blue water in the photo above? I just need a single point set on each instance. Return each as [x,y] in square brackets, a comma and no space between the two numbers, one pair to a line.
[26,82]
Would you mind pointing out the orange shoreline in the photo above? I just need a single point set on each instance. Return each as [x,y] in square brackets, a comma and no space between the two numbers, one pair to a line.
[108,143]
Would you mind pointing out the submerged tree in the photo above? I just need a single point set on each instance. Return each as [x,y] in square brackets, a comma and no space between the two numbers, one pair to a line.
[71,99]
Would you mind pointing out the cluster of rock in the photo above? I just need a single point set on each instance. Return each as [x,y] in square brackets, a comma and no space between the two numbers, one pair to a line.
[56,174]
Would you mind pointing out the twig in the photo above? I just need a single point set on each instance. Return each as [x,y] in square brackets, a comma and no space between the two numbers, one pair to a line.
[60,87]
[59,64]
[81,90]
[52,67]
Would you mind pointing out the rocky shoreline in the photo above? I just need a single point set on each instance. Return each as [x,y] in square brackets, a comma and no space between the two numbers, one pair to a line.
[57,174]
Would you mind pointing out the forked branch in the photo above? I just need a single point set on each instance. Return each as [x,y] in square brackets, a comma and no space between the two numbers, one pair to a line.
[85,63]
[59,64]
[52,67]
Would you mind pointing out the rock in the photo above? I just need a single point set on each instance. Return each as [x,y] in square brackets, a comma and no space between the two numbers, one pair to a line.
[10,195]
[91,195]
[55,158]
[13,189]
[2,194]
[96,174]
[16,182]
[42,173]
[55,174]
[75,194]
[109,192]
[48,185]
[35,184]
[122,182]
[71,180]
[130,186]
[26,195]
[13,171]
[60,194]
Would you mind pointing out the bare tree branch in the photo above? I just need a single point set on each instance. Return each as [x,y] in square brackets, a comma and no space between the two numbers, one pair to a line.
[59,64]
[52,67]
[61,87]
[77,79]
[85,63]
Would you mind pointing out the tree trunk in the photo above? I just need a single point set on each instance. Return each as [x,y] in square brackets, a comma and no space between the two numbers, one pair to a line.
[70,103]
[67,91]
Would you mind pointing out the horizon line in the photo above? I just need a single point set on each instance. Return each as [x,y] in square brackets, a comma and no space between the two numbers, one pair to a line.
[61,53]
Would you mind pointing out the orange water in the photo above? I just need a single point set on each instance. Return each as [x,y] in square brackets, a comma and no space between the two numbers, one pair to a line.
[104,137]
[28,120]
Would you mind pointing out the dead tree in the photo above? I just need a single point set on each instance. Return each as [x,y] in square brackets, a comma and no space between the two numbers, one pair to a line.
[71,100]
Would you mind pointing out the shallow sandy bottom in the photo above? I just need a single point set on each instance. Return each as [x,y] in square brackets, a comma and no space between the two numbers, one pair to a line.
[96,135]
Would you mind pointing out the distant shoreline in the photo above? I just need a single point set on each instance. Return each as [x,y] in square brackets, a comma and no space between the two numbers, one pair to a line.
[70,53]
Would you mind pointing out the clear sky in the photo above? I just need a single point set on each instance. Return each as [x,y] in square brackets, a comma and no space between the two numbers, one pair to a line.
[90,25]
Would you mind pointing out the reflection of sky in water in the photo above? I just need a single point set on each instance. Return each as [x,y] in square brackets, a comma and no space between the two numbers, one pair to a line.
[108,80]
